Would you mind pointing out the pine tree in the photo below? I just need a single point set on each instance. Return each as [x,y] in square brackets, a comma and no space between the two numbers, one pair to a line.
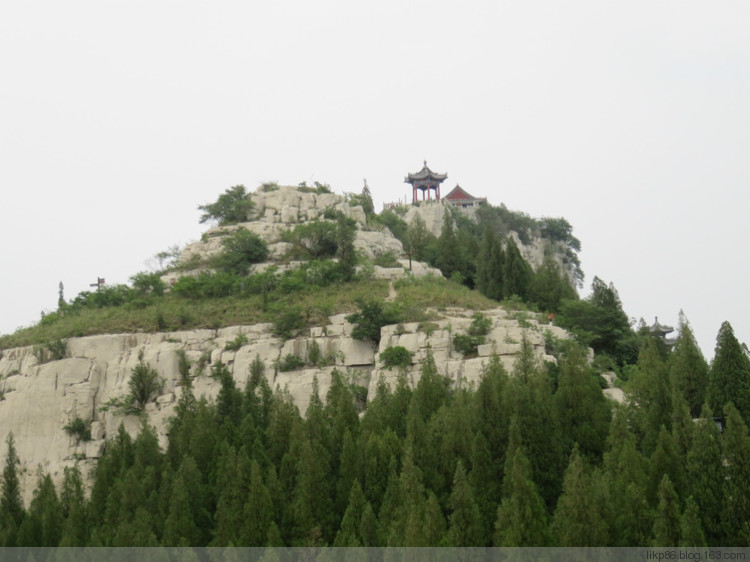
[409,516]
[312,507]
[180,528]
[348,534]
[736,449]
[11,505]
[729,377]
[626,471]
[465,528]
[705,473]
[345,252]
[449,259]
[584,412]
[485,484]
[517,272]
[578,519]
[434,522]
[529,402]
[691,531]
[650,389]
[549,286]
[231,489]
[667,521]
[42,525]
[258,510]
[521,516]
[666,461]
[73,507]
[688,369]
[490,263]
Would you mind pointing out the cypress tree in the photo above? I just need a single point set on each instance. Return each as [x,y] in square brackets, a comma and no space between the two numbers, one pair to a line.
[465,527]
[485,484]
[521,516]
[348,534]
[230,493]
[180,528]
[434,522]
[42,525]
[73,506]
[667,521]
[409,517]
[736,449]
[705,473]
[691,531]
[578,519]
[688,369]
[666,461]
[729,377]
[312,506]
[11,505]
[345,251]
[449,259]
[626,471]
[652,392]
[490,266]
[258,510]
[516,272]
[583,410]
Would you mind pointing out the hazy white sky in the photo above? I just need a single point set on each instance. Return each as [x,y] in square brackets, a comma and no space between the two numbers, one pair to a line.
[630,119]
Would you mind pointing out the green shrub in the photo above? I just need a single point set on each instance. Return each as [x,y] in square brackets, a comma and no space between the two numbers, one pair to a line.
[241,250]
[427,327]
[396,356]
[387,259]
[290,363]
[236,343]
[79,429]
[288,324]
[144,384]
[257,369]
[372,316]
[480,325]
[183,367]
[312,240]
[232,206]
[208,285]
[53,350]
[467,344]
[314,355]
[148,283]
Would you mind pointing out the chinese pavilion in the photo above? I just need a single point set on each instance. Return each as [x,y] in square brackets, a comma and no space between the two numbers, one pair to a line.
[426,180]
[660,331]
[462,198]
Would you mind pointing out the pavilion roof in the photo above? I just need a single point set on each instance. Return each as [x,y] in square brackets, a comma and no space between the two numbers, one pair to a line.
[662,329]
[459,192]
[425,173]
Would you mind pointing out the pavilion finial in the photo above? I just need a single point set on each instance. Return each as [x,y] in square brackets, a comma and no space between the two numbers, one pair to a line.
[425,163]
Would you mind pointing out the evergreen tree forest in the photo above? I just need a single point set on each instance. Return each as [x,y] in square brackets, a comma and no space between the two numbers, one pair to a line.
[535,457]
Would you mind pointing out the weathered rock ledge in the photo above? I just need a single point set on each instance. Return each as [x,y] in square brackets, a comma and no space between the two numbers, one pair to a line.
[40,399]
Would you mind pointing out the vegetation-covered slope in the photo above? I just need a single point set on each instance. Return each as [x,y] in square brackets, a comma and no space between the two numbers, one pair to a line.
[537,457]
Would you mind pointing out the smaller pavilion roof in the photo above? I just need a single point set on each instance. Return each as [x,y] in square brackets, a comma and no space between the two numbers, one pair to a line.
[660,329]
[459,192]
[424,174]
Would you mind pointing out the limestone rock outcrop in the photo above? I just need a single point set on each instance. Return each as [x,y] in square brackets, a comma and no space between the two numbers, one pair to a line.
[39,400]
[282,208]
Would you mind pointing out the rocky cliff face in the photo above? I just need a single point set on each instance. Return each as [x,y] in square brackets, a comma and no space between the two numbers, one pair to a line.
[533,251]
[38,400]
[281,209]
